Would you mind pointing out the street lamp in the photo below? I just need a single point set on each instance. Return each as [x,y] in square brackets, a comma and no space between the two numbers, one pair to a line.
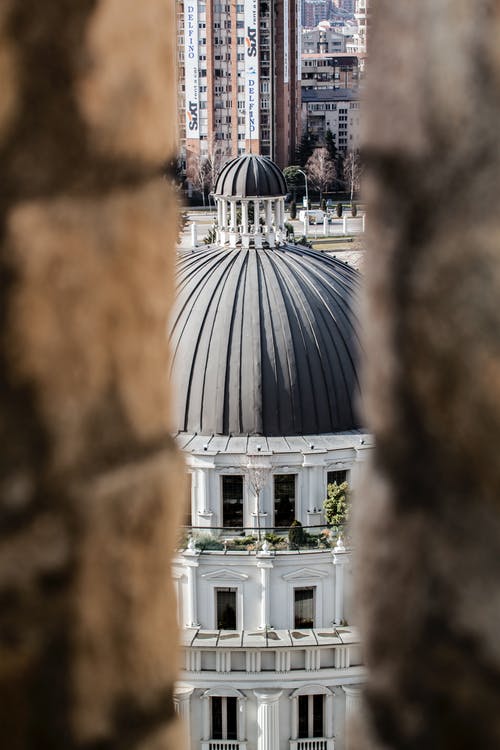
[306,226]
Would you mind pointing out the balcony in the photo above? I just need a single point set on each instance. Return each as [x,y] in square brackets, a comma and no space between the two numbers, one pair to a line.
[280,539]
[225,745]
[312,743]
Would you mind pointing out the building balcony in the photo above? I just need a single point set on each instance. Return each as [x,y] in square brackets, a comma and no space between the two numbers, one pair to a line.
[251,540]
[224,745]
[312,743]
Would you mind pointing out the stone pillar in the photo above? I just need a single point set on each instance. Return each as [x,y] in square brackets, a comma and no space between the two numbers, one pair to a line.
[224,213]
[340,560]
[219,212]
[91,479]
[269,215]
[205,718]
[194,236]
[191,563]
[294,729]
[329,719]
[232,206]
[265,566]
[182,704]
[352,713]
[268,734]
[244,216]
[256,216]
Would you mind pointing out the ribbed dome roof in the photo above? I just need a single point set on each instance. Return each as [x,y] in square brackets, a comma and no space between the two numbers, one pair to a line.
[250,176]
[264,342]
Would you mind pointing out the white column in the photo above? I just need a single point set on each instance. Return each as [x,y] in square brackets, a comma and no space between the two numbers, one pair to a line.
[329,701]
[294,729]
[205,702]
[276,210]
[219,212]
[241,720]
[268,729]
[363,223]
[190,564]
[352,709]
[194,237]
[265,594]
[256,213]
[232,206]
[244,216]
[224,213]
[182,700]
[340,560]
[344,224]
[269,216]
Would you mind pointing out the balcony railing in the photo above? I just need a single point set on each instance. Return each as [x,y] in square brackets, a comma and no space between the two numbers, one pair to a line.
[223,745]
[312,743]
[269,539]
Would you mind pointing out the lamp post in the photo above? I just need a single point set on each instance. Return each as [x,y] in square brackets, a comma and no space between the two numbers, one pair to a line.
[306,225]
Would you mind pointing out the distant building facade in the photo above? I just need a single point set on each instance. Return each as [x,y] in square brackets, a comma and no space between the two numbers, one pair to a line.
[325,38]
[239,81]
[338,110]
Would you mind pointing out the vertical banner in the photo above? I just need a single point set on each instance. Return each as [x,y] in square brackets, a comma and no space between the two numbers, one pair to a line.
[286,37]
[191,82]
[298,42]
[251,71]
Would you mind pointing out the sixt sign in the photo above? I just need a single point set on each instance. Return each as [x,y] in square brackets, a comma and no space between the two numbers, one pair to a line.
[191,67]
[192,115]
[251,70]
[251,42]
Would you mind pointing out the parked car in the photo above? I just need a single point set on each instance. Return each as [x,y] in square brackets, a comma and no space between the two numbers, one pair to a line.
[315,216]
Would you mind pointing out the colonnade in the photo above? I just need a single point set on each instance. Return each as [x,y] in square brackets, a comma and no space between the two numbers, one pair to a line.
[270,210]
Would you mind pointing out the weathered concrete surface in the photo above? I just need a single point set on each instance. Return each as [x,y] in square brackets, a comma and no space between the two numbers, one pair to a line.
[90,480]
[429,526]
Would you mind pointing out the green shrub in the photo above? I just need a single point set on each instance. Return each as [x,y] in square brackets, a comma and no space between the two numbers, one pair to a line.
[339,210]
[290,234]
[293,210]
[354,210]
[337,504]
[296,535]
[208,542]
[210,237]
[323,205]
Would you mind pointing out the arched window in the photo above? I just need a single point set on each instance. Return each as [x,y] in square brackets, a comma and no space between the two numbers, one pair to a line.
[223,715]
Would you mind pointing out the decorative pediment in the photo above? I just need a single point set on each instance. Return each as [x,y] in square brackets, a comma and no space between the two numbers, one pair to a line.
[302,573]
[224,574]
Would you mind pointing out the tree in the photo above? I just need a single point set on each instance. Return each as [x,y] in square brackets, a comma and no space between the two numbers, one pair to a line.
[293,209]
[330,145]
[305,149]
[202,171]
[352,171]
[294,179]
[337,504]
[320,170]
[258,474]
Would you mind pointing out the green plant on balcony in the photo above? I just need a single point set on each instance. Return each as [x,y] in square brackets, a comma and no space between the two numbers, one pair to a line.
[337,504]
[296,535]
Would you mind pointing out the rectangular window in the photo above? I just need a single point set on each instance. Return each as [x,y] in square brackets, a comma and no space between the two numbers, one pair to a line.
[232,501]
[311,716]
[225,602]
[303,607]
[336,476]
[284,499]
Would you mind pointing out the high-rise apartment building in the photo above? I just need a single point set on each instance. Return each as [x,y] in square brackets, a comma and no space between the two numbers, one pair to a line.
[239,79]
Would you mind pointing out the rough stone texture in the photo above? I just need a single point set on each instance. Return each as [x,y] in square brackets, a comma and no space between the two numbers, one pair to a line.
[90,480]
[429,524]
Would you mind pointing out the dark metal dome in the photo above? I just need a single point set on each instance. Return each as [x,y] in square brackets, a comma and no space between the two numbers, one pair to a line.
[250,176]
[264,342]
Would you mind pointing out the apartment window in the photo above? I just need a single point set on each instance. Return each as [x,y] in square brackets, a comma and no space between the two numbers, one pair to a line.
[232,501]
[225,604]
[284,499]
[311,713]
[224,718]
[336,476]
[303,607]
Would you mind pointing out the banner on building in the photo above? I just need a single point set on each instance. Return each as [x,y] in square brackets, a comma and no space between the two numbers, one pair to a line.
[251,70]
[298,39]
[191,82]
[286,36]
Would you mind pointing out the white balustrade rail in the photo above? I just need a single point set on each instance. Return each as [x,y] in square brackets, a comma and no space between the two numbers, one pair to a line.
[223,745]
[312,743]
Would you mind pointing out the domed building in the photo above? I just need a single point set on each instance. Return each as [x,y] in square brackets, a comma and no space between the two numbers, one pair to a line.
[264,360]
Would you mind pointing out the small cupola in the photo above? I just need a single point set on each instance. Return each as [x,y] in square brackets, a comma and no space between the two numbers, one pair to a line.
[250,199]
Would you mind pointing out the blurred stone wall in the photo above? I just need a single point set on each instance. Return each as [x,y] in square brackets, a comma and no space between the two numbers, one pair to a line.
[429,524]
[90,479]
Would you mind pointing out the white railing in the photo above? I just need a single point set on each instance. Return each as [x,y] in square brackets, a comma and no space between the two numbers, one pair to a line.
[223,745]
[312,743]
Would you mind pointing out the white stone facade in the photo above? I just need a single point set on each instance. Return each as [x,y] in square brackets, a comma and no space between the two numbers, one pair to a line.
[266,683]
